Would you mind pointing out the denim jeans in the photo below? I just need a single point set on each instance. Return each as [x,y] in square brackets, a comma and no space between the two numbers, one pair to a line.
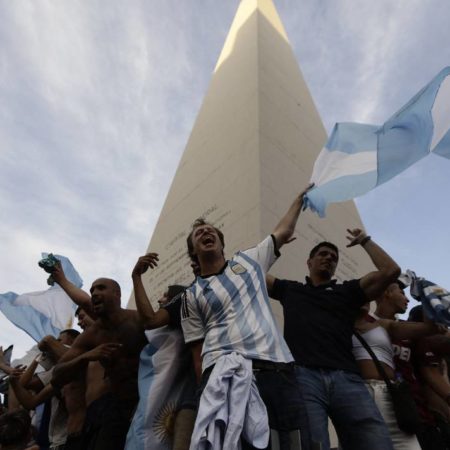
[343,397]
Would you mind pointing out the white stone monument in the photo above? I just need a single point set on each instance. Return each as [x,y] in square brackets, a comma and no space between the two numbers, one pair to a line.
[250,152]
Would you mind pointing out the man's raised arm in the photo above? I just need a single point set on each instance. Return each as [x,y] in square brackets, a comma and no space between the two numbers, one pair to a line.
[147,315]
[285,229]
[77,295]
[374,283]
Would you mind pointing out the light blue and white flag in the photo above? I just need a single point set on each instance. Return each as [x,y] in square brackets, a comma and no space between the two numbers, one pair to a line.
[44,312]
[359,157]
[163,375]
[435,299]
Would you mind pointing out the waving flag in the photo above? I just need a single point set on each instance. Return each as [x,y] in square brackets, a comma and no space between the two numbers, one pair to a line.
[163,375]
[359,157]
[435,299]
[45,312]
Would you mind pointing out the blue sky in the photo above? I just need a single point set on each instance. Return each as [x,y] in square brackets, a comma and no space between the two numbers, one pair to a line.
[97,100]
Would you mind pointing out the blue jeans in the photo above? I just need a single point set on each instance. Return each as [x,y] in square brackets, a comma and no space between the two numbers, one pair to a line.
[344,398]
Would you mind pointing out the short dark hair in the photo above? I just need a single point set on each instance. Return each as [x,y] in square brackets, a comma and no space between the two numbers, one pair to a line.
[15,427]
[190,245]
[315,249]
[71,332]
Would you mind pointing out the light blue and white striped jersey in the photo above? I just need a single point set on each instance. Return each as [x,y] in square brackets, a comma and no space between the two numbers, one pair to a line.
[231,310]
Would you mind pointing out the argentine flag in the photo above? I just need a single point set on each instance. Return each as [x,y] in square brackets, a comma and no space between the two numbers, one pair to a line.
[435,299]
[42,313]
[359,157]
[163,374]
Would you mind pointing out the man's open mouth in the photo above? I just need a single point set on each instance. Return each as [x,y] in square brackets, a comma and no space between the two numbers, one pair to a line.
[208,240]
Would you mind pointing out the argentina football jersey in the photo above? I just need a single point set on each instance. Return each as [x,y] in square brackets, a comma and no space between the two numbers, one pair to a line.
[231,310]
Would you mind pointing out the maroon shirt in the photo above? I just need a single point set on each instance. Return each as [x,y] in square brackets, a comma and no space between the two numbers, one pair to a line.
[404,368]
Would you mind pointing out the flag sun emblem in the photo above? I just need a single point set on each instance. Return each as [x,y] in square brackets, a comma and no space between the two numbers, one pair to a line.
[164,422]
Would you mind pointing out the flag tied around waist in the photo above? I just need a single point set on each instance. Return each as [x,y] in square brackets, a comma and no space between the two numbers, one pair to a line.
[358,157]
[42,313]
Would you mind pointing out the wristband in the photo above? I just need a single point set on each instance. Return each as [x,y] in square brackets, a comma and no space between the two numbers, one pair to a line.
[365,241]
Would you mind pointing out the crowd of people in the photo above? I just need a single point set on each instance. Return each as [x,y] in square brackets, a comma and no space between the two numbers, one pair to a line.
[248,385]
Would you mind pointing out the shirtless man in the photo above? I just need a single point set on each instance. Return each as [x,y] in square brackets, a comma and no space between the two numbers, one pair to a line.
[96,384]
[115,339]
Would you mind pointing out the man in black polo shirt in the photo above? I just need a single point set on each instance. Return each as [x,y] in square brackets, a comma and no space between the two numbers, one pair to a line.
[319,316]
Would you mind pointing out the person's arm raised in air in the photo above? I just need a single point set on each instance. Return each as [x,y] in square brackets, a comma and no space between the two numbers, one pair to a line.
[285,229]
[79,355]
[27,380]
[147,315]
[374,283]
[76,294]
[24,396]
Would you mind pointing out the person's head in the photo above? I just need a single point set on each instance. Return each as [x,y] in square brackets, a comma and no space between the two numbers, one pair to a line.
[15,429]
[323,259]
[67,337]
[393,299]
[84,319]
[105,296]
[204,238]
[416,314]
[172,291]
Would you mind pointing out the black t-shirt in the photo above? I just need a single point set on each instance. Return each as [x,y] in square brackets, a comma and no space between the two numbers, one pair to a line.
[319,321]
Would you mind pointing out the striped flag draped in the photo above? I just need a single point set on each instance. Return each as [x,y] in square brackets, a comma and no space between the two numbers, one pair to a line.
[435,299]
[163,371]
[358,157]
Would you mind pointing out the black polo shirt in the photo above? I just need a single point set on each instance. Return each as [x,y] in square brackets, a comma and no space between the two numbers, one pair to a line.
[319,321]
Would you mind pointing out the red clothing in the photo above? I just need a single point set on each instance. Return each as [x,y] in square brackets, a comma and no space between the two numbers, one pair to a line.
[404,368]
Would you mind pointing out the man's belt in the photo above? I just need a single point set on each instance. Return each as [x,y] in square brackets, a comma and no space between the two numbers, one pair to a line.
[260,364]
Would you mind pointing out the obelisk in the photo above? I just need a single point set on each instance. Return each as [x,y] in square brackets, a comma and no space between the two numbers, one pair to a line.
[250,152]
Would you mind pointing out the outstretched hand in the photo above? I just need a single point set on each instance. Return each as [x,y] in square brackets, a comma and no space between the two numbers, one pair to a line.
[144,262]
[356,236]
